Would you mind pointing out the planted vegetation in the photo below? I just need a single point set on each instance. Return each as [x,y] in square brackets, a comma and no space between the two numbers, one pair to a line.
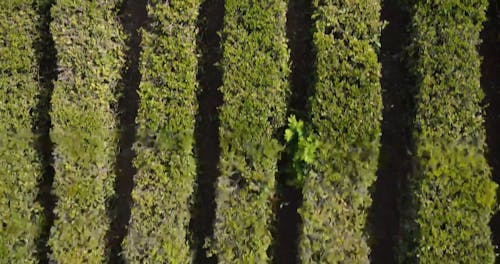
[452,195]
[346,110]
[329,156]
[20,166]
[90,57]
[255,70]
[165,162]
[301,146]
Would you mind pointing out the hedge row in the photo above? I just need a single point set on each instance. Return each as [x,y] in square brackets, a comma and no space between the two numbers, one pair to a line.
[452,193]
[20,167]
[255,70]
[90,57]
[346,112]
[165,162]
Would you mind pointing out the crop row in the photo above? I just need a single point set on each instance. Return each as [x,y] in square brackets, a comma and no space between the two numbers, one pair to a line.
[20,166]
[450,190]
[452,195]
[346,110]
[165,163]
[255,67]
[89,46]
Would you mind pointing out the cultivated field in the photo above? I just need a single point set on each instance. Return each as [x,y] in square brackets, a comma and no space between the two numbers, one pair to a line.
[249,131]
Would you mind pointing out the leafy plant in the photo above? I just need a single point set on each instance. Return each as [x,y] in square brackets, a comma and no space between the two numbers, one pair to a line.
[301,147]
[345,111]
[165,162]
[90,56]
[20,165]
[452,197]
[255,64]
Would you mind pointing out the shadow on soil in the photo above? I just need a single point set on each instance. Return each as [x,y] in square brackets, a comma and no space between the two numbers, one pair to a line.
[47,63]
[210,22]
[287,225]
[490,81]
[394,161]
[133,16]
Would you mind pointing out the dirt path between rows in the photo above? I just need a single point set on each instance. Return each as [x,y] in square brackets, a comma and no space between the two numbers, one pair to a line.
[490,81]
[47,63]
[132,16]
[394,160]
[287,224]
[207,148]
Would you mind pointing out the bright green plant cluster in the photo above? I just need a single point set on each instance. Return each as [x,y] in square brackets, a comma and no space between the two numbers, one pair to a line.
[90,57]
[301,146]
[165,163]
[346,110]
[255,89]
[452,195]
[20,168]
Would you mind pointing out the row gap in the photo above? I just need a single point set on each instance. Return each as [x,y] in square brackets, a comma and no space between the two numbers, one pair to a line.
[207,149]
[132,16]
[490,81]
[44,47]
[286,229]
[385,214]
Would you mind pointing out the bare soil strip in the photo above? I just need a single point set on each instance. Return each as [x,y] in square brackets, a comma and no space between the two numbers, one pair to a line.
[210,22]
[133,16]
[394,160]
[47,56]
[490,81]
[289,199]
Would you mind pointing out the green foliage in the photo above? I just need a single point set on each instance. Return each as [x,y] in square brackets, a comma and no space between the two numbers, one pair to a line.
[346,110]
[90,57]
[301,147]
[20,167]
[452,195]
[255,89]
[165,164]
